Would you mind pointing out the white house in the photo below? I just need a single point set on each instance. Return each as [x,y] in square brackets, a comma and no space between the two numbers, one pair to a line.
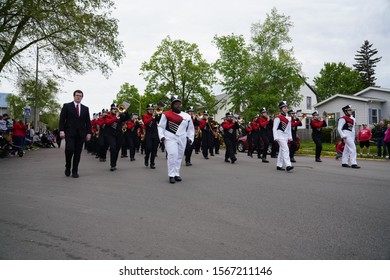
[370,105]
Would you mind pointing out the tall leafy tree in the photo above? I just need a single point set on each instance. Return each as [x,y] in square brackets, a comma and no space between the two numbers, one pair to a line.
[366,63]
[44,98]
[78,35]
[233,65]
[263,72]
[178,68]
[337,78]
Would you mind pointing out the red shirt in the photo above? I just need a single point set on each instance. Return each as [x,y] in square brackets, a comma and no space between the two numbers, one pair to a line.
[364,134]
[263,122]
[19,130]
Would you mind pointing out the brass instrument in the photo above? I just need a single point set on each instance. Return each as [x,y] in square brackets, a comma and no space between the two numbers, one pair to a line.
[301,116]
[123,107]
[124,127]
[159,110]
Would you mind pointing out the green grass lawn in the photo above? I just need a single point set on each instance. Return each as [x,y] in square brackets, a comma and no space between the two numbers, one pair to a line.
[308,148]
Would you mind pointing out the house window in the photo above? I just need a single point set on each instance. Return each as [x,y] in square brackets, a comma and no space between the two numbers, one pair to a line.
[308,102]
[374,116]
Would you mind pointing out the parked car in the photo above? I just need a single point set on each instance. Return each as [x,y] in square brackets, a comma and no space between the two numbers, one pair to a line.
[242,144]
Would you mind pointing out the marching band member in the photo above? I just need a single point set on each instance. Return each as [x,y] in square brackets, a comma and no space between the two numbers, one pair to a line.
[131,135]
[282,134]
[295,122]
[175,129]
[230,127]
[101,132]
[256,136]
[263,123]
[190,146]
[346,129]
[317,123]
[207,134]
[151,120]
[114,136]
[248,131]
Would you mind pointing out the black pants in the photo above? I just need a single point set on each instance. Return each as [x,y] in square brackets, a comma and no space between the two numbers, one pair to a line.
[188,152]
[318,141]
[207,143]
[73,149]
[249,139]
[229,142]
[115,143]
[151,147]
[256,143]
[264,137]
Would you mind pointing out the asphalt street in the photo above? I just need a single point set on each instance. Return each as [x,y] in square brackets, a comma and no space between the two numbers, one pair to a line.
[223,211]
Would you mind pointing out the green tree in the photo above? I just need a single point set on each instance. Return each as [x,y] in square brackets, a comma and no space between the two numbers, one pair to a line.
[263,72]
[177,68]
[16,105]
[337,78]
[234,67]
[79,35]
[365,63]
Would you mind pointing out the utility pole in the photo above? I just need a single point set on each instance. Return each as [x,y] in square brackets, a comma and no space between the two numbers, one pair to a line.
[36,114]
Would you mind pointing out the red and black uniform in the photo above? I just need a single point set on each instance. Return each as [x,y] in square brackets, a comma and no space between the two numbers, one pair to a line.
[256,137]
[102,143]
[131,137]
[207,136]
[114,136]
[295,122]
[248,132]
[263,123]
[190,147]
[151,137]
[229,131]
[317,126]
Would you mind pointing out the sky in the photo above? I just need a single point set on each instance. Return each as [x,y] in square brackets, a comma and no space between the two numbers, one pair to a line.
[323,31]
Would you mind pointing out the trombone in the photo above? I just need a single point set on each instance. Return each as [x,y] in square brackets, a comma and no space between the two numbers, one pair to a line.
[123,107]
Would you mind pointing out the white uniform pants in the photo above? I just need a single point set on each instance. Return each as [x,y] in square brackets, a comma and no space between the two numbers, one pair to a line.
[349,150]
[175,148]
[284,153]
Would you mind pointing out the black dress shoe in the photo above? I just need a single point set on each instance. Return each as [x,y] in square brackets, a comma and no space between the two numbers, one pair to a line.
[67,172]
[113,168]
[75,175]
[132,159]
[233,160]
[152,166]
[288,168]
[293,160]
[226,160]
[172,180]
[264,160]
[280,168]
[146,163]
[177,178]
[206,157]
[355,166]
[345,165]
[188,163]
[318,160]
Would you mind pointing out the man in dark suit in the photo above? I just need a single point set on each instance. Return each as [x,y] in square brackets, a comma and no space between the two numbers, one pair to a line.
[75,127]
